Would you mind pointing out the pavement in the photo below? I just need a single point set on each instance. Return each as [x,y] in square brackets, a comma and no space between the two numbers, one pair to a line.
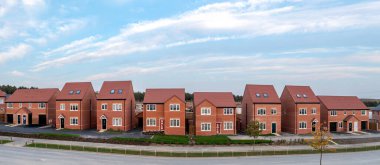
[32,156]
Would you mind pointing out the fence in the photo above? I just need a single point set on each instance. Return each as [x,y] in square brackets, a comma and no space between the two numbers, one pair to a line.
[282,151]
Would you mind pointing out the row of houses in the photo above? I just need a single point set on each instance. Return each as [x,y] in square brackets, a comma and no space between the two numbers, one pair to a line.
[77,106]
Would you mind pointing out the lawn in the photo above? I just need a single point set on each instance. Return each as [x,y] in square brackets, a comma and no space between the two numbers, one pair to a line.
[224,140]
[170,139]
[57,135]
[5,141]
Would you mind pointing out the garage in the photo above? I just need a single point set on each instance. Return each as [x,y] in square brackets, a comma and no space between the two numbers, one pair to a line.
[41,119]
[333,126]
[10,118]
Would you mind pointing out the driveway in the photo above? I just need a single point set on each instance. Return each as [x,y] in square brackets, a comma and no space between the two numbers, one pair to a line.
[136,133]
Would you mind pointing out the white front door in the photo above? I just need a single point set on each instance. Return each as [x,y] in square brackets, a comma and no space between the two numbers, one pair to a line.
[356,126]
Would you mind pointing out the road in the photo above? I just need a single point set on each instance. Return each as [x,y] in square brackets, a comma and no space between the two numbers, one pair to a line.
[31,156]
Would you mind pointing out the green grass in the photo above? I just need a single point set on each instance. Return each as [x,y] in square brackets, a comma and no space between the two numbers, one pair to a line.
[257,141]
[170,139]
[127,140]
[224,140]
[5,141]
[57,135]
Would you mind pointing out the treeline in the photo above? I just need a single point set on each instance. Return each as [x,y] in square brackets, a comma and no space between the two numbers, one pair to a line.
[139,96]
[371,103]
[9,89]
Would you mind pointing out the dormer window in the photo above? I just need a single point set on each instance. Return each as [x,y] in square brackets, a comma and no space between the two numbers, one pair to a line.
[78,92]
[112,91]
[298,96]
[71,92]
[257,94]
[304,95]
[120,91]
[265,95]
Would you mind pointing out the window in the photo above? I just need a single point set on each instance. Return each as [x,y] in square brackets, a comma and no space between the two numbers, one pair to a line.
[262,126]
[304,95]
[73,120]
[112,91]
[73,107]
[265,95]
[1,101]
[257,94]
[228,111]
[120,91]
[228,125]
[20,105]
[314,110]
[150,122]
[303,111]
[333,113]
[364,112]
[205,111]
[41,105]
[345,113]
[71,92]
[116,107]
[298,96]
[151,107]
[340,125]
[116,121]
[104,106]
[78,92]
[174,107]
[273,111]
[9,105]
[174,123]
[303,125]
[353,112]
[62,107]
[30,105]
[205,126]
[261,111]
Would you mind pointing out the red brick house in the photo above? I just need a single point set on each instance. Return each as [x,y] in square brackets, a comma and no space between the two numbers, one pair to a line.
[374,121]
[261,103]
[164,111]
[344,113]
[2,106]
[116,106]
[31,106]
[76,106]
[214,113]
[300,110]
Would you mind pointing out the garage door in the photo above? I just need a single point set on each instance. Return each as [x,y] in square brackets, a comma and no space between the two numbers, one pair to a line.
[9,118]
[333,126]
[41,119]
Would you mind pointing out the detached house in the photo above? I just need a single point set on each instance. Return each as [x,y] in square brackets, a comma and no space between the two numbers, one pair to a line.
[300,110]
[76,106]
[375,118]
[344,113]
[261,103]
[31,106]
[164,111]
[2,106]
[214,113]
[116,106]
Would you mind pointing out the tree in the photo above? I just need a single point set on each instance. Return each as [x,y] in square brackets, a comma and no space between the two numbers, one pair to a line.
[139,96]
[253,130]
[238,98]
[320,141]
[189,97]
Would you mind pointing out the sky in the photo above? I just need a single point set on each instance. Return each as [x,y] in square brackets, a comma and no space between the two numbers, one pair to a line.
[200,45]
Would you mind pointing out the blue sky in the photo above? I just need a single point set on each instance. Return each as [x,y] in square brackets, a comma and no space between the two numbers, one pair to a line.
[201,45]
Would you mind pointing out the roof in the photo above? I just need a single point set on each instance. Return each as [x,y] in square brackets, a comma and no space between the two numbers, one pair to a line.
[376,108]
[262,93]
[115,90]
[2,94]
[163,94]
[23,110]
[349,117]
[342,102]
[32,95]
[302,94]
[219,99]
[74,90]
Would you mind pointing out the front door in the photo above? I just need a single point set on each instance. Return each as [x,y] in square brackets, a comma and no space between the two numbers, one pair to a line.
[313,125]
[24,119]
[104,124]
[62,123]
[356,126]
[218,128]
[18,119]
[349,127]
[162,126]
[274,127]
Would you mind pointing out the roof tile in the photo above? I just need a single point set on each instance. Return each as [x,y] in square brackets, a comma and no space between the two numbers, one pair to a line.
[160,95]
[219,99]
[262,93]
[120,90]
[302,94]
[32,95]
[70,90]
[342,102]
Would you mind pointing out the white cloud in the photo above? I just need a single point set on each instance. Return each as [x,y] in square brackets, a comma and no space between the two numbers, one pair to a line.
[17,73]
[14,52]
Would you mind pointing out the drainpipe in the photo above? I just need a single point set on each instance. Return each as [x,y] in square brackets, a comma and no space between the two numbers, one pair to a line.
[125,115]
[80,114]
[295,118]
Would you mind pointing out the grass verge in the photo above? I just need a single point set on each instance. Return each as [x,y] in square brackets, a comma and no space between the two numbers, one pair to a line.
[5,141]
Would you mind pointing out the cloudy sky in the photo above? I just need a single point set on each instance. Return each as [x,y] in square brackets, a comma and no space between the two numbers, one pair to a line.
[202,45]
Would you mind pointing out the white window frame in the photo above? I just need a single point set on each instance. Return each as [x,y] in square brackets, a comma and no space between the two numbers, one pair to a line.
[228,125]
[345,112]
[9,105]
[20,105]
[62,106]
[333,113]
[151,107]
[302,111]
[365,112]
[117,122]
[104,106]
[314,110]
[72,119]
[205,111]
[340,124]
[151,122]
[41,105]
[2,101]
[261,111]
[30,105]
[262,126]
[117,107]
[177,122]
[353,112]
[301,124]
[74,105]
[273,110]
[228,111]
[206,127]
[174,107]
